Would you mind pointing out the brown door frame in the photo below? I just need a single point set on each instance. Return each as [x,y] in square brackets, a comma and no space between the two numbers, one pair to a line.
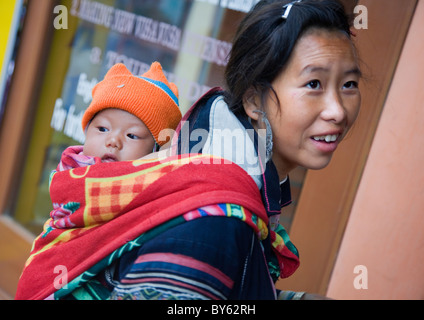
[327,195]
[15,242]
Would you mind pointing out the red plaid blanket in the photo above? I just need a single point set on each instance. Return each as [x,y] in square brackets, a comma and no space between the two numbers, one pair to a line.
[102,207]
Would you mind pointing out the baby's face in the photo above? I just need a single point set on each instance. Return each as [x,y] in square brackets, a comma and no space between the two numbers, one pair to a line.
[117,135]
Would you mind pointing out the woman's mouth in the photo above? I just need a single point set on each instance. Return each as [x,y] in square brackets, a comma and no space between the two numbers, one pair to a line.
[328,138]
[326,143]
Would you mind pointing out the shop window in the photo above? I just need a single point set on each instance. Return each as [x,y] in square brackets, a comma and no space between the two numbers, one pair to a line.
[190,38]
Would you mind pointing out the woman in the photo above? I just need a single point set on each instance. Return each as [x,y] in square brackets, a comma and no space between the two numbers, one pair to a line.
[293,77]
[206,227]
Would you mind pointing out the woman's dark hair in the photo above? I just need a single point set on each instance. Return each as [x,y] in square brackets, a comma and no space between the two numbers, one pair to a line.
[264,43]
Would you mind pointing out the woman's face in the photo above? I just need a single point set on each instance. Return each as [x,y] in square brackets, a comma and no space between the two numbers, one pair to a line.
[319,100]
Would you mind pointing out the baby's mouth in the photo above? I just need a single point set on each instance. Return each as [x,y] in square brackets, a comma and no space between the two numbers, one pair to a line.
[109,158]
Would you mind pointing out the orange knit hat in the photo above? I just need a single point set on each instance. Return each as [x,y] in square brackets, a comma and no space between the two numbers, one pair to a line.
[149,97]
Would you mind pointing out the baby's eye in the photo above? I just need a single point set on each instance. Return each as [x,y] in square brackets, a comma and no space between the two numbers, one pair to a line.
[102,129]
[314,84]
[132,136]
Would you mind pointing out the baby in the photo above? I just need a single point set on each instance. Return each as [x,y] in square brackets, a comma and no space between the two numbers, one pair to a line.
[125,118]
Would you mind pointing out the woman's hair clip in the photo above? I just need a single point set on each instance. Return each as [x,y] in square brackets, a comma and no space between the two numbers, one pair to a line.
[287,8]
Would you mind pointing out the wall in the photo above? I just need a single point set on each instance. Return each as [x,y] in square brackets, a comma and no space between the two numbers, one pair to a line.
[385,230]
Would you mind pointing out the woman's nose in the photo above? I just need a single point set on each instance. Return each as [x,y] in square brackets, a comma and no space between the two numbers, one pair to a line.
[334,110]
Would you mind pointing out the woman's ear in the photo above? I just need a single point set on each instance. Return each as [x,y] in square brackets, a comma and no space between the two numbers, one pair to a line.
[250,104]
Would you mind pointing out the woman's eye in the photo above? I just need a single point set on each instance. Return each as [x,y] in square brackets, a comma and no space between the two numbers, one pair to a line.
[351,85]
[132,136]
[314,84]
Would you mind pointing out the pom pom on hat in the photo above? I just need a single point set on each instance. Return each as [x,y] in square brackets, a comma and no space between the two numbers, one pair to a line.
[149,97]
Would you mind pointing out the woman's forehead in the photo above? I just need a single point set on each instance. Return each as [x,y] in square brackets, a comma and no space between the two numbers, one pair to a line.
[317,51]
